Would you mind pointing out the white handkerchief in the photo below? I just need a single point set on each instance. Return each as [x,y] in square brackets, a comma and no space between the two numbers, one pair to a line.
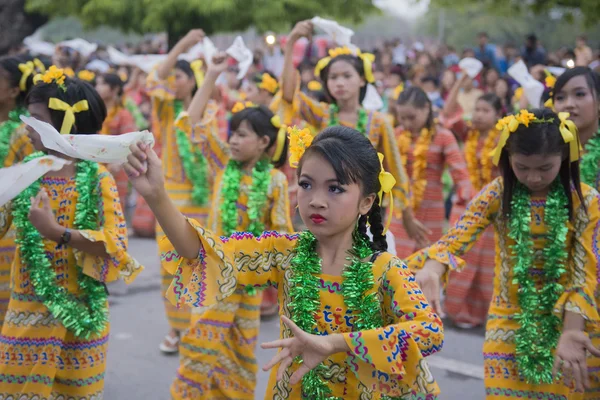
[205,49]
[338,33]
[242,55]
[104,149]
[531,87]
[37,46]
[372,100]
[556,71]
[145,62]
[82,46]
[471,66]
[15,179]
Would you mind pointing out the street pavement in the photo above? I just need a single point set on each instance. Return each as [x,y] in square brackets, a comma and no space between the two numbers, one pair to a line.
[137,370]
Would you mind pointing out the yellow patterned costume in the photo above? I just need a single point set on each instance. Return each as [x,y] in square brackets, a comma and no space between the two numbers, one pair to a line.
[20,147]
[502,379]
[217,353]
[39,358]
[384,360]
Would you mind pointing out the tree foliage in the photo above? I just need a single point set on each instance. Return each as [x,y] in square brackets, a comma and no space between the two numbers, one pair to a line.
[177,17]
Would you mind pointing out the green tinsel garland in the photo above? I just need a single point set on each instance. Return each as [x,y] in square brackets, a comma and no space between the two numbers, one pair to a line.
[539,329]
[257,196]
[361,124]
[138,117]
[590,161]
[305,299]
[6,130]
[88,314]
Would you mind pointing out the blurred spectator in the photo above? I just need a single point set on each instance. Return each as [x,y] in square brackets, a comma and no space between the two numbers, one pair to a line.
[532,53]
[583,53]
[485,52]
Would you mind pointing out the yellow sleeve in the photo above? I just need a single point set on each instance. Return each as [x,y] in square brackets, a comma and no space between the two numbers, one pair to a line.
[160,89]
[280,219]
[206,134]
[20,147]
[579,295]
[113,234]
[5,219]
[390,359]
[392,163]
[224,263]
[462,236]
[307,109]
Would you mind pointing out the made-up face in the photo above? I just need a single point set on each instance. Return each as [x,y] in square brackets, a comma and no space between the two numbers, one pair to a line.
[580,101]
[343,81]
[536,171]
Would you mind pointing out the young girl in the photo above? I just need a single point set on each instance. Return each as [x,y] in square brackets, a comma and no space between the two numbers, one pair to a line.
[248,195]
[345,75]
[262,90]
[350,310]
[171,88]
[546,227]
[16,78]
[577,92]
[468,294]
[72,240]
[427,149]
[118,121]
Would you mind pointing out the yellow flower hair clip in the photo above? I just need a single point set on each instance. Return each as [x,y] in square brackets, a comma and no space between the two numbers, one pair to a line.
[52,75]
[268,83]
[86,75]
[387,182]
[69,72]
[300,140]
[367,59]
[315,86]
[550,79]
[239,106]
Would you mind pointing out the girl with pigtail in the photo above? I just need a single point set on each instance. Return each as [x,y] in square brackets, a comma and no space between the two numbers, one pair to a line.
[346,303]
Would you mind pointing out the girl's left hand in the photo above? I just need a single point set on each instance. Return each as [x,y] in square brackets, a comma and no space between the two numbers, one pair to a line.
[41,215]
[313,350]
[570,357]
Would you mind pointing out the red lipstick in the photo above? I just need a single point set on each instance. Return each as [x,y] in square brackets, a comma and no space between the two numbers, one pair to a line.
[317,219]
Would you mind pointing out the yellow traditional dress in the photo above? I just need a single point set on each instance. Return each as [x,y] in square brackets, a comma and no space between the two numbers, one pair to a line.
[502,378]
[19,147]
[39,358]
[165,111]
[388,360]
[217,353]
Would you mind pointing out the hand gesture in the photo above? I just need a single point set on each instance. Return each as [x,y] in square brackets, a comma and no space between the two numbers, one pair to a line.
[144,170]
[41,215]
[313,350]
[429,278]
[415,229]
[192,38]
[570,358]
[218,64]
[302,29]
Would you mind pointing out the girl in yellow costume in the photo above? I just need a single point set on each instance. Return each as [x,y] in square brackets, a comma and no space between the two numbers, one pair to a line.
[577,91]
[547,258]
[171,88]
[72,240]
[345,74]
[16,78]
[351,311]
[248,194]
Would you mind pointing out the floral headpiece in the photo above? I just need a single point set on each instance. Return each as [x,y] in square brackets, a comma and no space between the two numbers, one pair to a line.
[268,83]
[300,140]
[239,106]
[367,59]
[510,124]
[52,75]
[29,68]
[86,75]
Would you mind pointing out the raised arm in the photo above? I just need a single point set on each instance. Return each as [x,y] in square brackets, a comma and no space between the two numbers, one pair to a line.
[288,76]
[193,37]
[204,93]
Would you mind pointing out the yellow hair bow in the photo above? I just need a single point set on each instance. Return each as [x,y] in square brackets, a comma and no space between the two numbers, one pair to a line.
[276,122]
[387,182]
[86,75]
[69,119]
[268,83]
[549,104]
[367,59]
[300,140]
[568,130]
[196,67]
[26,69]
[39,66]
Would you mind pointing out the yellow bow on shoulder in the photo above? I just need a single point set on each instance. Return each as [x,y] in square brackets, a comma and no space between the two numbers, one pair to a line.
[196,67]
[387,182]
[69,119]
[568,130]
[26,69]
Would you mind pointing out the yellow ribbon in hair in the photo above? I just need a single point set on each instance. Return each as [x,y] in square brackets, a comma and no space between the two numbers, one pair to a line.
[549,104]
[26,69]
[387,182]
[367,59]
[276,122]
[39,66]
[568,130]
[69,119]
[239,106]
[196,67]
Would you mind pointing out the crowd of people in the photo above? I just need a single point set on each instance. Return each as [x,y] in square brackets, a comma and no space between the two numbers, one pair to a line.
[335,188]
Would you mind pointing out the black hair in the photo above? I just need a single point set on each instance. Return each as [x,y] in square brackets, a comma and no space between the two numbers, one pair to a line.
[114,81]
[539,138]
[75,90]
[185,67]
[592,79]
[417,97]
[430,78]
[10,64]
[358,65]
[259,119]
[493,101]
[306,65]
[342,147]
